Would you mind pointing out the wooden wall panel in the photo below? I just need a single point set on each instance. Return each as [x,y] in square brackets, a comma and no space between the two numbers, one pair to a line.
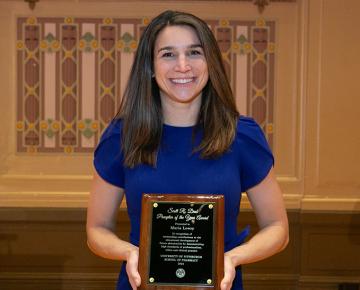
[46,249]
[44,240]
[337,235]
[336,261]
[332,104]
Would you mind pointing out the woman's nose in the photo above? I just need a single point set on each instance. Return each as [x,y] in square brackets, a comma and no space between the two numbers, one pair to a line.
[182,64]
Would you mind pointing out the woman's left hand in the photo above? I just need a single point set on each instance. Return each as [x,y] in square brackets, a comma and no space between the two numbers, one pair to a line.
[229,273]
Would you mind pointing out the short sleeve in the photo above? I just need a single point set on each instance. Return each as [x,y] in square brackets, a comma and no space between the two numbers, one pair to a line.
[256,158]
[108,157]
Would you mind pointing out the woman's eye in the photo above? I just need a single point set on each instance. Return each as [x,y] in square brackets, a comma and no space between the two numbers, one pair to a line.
[195,52]
[168,54]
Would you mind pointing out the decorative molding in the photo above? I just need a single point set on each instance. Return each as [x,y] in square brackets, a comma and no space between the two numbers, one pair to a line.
[292,202]
[328,279]
[43,177]
[60,275]
[73,71]
[330,204]
[46,199]
[79,199]
[32,3]
[261,5]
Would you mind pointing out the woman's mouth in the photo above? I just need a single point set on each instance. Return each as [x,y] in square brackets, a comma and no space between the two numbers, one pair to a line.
[182,80]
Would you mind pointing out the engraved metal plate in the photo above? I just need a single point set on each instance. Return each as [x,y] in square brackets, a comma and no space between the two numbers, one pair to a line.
[181,241]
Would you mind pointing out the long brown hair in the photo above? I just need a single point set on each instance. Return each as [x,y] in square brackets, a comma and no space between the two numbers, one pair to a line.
[141,106]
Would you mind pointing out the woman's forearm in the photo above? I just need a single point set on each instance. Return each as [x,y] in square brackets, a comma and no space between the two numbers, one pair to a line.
[105,243]
[267,242]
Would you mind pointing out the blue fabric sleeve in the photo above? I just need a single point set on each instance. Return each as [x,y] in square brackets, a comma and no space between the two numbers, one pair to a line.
[255,154]
[108,157]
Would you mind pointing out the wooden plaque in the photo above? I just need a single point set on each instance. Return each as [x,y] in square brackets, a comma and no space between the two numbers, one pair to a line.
[181,241]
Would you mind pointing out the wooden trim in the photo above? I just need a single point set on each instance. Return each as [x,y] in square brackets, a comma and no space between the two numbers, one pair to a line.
[44,199]
[65,177]
[55,276]
[328,279]
[330,204]
[60,199]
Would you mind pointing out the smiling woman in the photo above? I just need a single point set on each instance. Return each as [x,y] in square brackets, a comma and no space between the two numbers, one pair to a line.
[178,131]
[171,45]
[181,73]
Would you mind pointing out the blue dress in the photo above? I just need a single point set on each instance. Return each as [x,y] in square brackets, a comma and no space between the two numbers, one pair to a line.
[178,170]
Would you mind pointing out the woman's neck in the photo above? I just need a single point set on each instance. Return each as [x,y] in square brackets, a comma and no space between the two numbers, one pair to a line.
[181,114]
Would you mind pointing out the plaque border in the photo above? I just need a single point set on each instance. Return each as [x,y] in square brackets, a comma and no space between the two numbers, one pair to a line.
[146,231]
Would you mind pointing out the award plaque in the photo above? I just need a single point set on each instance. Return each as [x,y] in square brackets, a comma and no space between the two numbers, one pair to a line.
[181,241]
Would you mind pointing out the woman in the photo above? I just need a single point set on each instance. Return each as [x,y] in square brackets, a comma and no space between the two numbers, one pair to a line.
[178,131]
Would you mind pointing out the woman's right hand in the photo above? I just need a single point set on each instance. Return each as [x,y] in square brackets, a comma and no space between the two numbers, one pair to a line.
[132,271]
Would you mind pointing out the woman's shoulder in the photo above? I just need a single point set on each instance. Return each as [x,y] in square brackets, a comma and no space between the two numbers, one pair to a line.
[110,138]
[114,128]
[255,154]
[250,135]
[248,128]
[108,155]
